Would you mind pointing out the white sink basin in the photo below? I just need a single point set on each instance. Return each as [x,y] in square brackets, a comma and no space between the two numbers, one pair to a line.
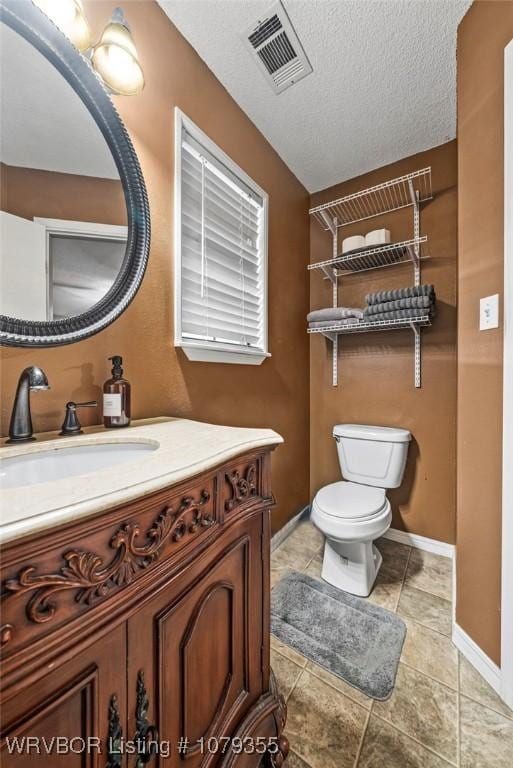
[59,463]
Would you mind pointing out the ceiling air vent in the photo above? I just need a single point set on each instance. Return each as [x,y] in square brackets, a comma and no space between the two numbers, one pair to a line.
[278,51]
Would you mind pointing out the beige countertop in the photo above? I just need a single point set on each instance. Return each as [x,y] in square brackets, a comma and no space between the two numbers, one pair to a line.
[185,448]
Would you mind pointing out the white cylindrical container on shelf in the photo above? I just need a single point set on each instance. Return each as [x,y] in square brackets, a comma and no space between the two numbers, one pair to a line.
[350,243]
[378,237]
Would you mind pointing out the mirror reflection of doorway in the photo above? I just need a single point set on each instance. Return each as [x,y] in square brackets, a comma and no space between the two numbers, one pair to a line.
[81,270]
[66,266]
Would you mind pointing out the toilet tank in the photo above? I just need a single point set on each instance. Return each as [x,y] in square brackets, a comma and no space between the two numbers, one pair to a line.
[372,455]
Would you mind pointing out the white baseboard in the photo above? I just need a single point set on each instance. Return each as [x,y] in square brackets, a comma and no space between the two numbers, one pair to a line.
[421,542]
[477,657]
[402,537]
[280,536]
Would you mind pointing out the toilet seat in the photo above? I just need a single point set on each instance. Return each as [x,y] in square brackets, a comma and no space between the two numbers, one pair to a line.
[347,511]
[350,501]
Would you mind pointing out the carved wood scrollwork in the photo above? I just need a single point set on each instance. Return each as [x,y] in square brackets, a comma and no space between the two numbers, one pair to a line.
[277,755]
[6,633]
[243,487]
[277,752]
[86,573]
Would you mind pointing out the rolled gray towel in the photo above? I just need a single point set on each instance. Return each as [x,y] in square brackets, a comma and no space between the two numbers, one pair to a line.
[415,302]
[400,314]
[334,313]
[330,323]
[401,293]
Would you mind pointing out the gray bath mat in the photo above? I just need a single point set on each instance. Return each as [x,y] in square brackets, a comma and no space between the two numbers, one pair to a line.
[351,638]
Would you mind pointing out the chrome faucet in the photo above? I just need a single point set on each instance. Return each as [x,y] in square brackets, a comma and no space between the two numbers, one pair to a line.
[20,429]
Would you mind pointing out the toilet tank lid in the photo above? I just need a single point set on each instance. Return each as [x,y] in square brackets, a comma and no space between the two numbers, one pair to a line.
[365,432]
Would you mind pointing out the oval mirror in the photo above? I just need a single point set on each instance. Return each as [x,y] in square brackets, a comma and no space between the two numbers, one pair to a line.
[74,218]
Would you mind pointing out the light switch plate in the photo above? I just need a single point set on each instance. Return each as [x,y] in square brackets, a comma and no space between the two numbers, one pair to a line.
[489,312]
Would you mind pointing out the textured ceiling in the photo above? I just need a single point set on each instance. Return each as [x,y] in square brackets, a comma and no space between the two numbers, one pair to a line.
[383,85]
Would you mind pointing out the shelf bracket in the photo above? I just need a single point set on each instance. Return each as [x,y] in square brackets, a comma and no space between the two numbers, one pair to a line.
[413,194]
[329,274]
[330,223]
[414,256]
[417,355]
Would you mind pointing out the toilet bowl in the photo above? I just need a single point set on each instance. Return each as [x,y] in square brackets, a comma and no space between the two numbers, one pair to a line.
[352,513]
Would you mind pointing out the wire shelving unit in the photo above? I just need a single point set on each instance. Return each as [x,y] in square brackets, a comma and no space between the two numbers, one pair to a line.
[374,258]
[372,325]
[383,198]
[412,189]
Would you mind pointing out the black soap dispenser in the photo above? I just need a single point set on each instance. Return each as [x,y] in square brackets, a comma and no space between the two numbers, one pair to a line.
[116,397]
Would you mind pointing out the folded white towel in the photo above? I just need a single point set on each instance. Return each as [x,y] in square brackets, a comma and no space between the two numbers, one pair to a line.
[334,313]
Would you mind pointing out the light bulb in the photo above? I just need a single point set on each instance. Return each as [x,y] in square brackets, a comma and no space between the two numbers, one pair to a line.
[115,58]
[68,16]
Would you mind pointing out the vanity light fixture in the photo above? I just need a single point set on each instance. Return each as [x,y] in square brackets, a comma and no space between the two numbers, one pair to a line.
[69,16]
[114,58]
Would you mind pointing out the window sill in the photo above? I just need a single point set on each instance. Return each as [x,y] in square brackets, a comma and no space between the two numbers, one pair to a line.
[207,354]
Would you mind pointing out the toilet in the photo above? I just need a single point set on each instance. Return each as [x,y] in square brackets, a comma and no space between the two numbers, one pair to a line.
[353,512]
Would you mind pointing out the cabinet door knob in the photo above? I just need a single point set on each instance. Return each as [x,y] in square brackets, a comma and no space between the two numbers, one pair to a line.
[146,735]
[114,753]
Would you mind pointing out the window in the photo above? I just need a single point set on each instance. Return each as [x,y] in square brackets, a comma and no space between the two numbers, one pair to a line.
[220,253]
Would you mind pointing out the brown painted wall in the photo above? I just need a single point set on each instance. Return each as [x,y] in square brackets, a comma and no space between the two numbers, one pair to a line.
[376,370]
[274,394]
[482,37]
[28,192]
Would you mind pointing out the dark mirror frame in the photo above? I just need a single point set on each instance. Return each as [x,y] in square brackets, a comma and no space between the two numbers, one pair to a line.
[32,24]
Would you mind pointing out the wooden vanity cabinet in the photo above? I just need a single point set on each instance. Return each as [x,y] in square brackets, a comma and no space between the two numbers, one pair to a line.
[71,701]
[146,627]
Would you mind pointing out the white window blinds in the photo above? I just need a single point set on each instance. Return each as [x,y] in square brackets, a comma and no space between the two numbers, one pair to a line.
[222,253]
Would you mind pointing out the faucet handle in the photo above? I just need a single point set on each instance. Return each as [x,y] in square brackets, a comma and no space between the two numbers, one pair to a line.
[71,424]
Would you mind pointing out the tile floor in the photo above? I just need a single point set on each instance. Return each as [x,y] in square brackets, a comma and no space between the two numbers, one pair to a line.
[442,713]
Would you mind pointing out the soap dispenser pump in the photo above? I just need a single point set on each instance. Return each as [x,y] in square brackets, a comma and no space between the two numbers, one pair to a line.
[116,397]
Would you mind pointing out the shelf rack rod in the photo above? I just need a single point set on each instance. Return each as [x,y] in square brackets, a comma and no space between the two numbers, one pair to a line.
[416,334]
[416,229]
[334,342]
[417,351]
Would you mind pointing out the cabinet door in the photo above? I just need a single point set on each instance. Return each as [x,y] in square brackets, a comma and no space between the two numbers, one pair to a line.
[74,703]
[198,644]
